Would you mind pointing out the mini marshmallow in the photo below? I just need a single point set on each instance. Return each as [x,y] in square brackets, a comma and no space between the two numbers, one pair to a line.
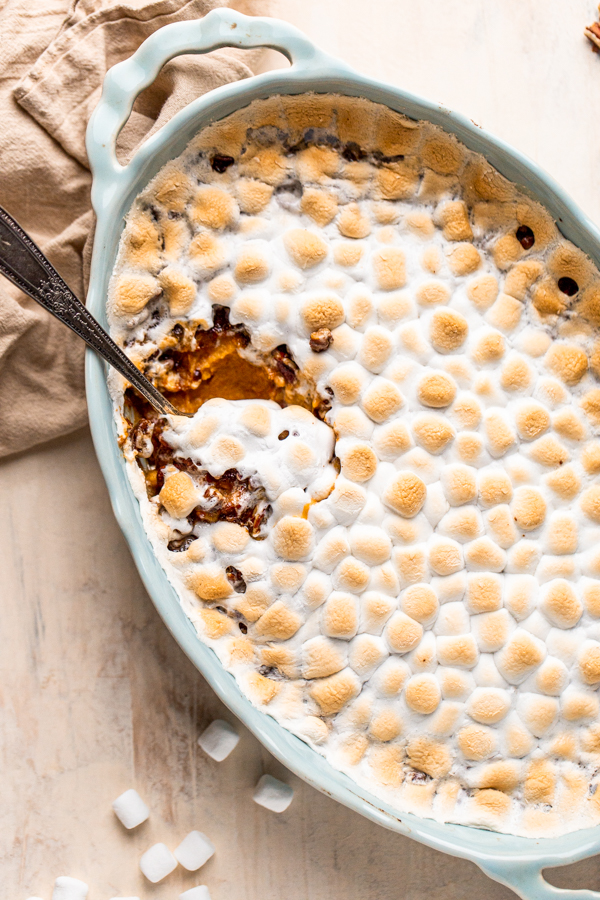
[157,863]
[196,893]
[130,809]
[66,888]
[273,794]
[194,850]
[452,619]
[218,740]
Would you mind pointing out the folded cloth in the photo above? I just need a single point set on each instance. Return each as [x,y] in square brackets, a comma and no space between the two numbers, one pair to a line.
[55,56]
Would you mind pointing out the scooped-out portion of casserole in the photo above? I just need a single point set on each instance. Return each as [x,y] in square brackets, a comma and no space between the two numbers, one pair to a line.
[384,514]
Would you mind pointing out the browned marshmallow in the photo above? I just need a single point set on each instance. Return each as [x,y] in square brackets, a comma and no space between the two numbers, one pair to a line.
[405,494]
[179,495]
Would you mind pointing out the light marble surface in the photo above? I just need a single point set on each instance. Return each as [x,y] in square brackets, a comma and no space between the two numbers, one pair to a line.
[95,697]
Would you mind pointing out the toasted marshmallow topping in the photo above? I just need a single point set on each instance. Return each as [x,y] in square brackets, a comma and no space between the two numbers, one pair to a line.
[410,581]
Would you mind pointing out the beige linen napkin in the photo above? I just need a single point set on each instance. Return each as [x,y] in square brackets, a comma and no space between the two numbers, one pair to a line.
[55,55]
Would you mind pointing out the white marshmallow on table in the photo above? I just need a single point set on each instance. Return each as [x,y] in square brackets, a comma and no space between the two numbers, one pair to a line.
[273,794]
[124,898]
[130,809]
[34,898]
[196,893]
[66,888]
[194,850]
[157,863]
[219,739]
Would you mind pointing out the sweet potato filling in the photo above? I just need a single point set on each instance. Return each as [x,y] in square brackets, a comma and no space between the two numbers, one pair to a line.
[196,365]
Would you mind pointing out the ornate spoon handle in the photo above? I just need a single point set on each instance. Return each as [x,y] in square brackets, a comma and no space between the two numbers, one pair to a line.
[23,263]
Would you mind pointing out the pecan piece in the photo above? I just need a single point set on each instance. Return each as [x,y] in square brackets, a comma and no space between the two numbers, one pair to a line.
[592,33]
[320,340]
[236,579]
[525,237]
[220,162]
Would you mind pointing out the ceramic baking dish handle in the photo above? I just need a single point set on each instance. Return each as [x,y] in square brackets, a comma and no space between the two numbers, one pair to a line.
[220,28]
[527,881]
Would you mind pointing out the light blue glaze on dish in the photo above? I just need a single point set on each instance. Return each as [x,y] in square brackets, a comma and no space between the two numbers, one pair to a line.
[514,861]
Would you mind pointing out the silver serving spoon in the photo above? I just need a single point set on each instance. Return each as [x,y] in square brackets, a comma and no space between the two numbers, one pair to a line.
[23,263]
